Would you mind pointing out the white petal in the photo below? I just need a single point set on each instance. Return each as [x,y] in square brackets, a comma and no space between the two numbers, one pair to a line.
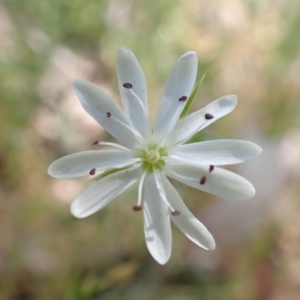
[103,191]
[157,222]
[80,164]
[105,111]
[219,182]
[180,84]
[186,221]
[194,122]
[135,99]
[218,152]
[129,71]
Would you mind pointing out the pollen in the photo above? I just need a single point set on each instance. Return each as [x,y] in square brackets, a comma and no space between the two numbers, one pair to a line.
[202,180]
[93,171]
[136,208]
[208,116]
[175,213]
[127,85]
[108,114]
[182,99]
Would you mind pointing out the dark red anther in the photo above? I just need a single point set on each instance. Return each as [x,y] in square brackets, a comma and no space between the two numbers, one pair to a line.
[93,171]
[108,114]
[208,116]
[182,99]
[211,168]
[95,143]
[175,213]
[202,180]
[127,85]
[136,208]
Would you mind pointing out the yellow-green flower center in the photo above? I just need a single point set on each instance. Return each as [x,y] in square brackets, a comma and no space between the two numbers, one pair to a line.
[152,157]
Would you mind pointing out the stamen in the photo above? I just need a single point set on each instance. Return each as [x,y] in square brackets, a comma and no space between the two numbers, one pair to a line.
[135,161]
[130,165]
[202,180]
[93,171]
[95,143]
[140,192]
[211,168]
[208,116]
[161,190]
[112,145]
[174,119]
[108,114]
[175,213]
[136,208]
[137,98]
[182,99]
[127,85]
[136,133]
[141,112]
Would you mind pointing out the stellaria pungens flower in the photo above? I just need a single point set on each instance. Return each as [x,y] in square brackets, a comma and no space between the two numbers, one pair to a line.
[149,156]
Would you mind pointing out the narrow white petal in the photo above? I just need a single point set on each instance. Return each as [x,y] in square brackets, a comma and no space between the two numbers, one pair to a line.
[129,71]
[219,182]
[218,152]
[194,122]
[157,222]
[81,163]
[186,221]
[105,111]
[103,191]
[180,84]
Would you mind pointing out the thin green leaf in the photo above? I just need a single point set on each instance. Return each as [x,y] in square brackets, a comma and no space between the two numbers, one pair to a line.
[192,97]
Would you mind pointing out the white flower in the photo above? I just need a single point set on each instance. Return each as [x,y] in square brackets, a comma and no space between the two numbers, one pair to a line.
[149,156]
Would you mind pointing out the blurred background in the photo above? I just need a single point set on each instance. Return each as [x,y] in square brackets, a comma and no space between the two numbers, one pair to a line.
[248,48]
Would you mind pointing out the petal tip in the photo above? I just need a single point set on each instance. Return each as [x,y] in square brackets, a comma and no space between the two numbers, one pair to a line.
[80,84]
[162,260]
[255,150]
[250,193]
[76,211]
[50,170]
[53,171]
[251,150]
[253,192]
[124,49]
[191,54]
[259,150]
[190,57]
[77,82]
[124,54]
[212,245]
[228,102]
[232,98]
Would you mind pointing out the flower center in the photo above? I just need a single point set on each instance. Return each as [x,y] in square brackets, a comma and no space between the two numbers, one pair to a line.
[152,157]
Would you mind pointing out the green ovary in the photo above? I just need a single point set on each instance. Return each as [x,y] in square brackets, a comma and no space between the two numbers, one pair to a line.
[153,158]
